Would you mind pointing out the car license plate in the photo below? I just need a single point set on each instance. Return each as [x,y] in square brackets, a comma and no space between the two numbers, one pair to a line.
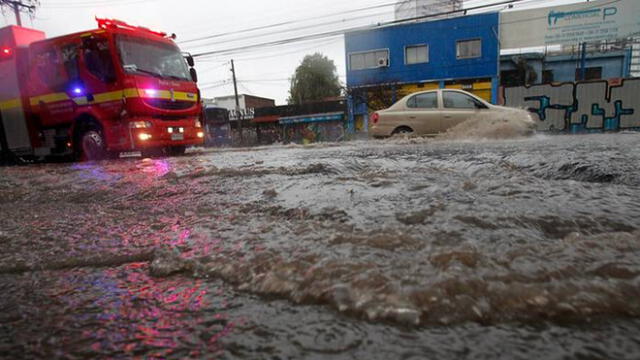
[177,137]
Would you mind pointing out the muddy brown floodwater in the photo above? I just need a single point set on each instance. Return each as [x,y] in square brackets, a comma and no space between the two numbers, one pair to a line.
[398,249]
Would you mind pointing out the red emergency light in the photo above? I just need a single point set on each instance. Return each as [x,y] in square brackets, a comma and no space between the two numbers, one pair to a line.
[112,23]
[6,51]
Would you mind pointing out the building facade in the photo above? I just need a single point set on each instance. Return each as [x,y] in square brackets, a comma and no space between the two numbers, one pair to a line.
[322,121]
[387,63]
[538,68]
[248,104]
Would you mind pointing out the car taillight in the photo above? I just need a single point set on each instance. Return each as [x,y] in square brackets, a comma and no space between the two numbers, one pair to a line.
[375,117]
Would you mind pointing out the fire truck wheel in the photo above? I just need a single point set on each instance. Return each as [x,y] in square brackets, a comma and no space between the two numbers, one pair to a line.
[175,150]
[92,146]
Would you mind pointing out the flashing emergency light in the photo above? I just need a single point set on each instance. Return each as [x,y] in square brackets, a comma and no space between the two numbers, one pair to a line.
[78,90]
[112,23]
[6,51]
[144,137]
[151,92]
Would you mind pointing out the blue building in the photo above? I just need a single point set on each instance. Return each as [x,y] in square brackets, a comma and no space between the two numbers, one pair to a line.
[387,63]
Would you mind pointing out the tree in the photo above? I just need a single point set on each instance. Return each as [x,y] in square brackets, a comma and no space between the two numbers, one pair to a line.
[316,78]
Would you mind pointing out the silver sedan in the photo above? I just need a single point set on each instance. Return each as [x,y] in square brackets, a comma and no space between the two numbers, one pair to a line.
[436,111]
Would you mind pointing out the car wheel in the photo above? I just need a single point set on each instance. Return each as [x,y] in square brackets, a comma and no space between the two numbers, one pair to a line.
[92,146]
[402,131]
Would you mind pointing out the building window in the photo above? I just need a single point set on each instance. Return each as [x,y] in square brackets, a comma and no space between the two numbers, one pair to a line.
[547,76]
[417,54]
[469,49]
[591,73]
[512,78]
[369,60]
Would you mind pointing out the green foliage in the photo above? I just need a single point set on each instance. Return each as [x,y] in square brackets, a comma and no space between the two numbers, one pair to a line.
[315,79]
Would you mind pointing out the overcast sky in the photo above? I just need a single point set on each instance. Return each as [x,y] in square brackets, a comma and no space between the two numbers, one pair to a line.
[261,71]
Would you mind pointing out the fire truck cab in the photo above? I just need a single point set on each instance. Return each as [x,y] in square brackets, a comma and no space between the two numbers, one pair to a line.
[117,89]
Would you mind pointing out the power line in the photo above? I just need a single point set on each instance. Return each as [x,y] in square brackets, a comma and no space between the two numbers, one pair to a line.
[290,22]
[343,31]
[306,27]
[87,4]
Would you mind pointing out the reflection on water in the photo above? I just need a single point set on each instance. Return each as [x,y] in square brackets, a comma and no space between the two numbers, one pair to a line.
[405,248]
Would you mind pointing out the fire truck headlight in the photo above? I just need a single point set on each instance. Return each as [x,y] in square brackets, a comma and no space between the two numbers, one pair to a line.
[144,136]
[140,124]
[200,135]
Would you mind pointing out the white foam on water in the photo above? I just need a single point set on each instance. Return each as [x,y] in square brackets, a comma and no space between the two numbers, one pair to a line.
[510,125]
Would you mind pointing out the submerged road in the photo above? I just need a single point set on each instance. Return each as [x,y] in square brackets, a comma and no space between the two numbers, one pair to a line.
[396,249]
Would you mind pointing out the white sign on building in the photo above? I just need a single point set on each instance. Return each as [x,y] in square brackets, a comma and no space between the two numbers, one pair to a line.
[592,21]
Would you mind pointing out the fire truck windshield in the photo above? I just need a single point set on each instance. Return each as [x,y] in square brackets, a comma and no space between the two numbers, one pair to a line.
[154,58]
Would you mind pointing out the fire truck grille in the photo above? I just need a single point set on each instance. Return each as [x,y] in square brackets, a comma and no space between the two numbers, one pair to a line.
[169,117]
[170,105]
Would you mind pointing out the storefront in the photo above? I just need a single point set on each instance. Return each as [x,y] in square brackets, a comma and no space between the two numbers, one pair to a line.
[308,129]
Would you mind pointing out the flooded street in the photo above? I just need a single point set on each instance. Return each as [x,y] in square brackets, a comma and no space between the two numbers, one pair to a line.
[394,249]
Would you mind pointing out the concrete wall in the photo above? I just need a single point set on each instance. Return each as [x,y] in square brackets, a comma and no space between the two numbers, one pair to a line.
[582,106]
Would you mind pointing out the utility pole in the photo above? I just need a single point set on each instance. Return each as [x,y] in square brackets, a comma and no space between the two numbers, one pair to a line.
[16,10]
[235,90]
[583,61]
[17,5]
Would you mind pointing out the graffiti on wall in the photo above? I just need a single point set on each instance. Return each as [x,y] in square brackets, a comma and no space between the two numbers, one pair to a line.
[581,106]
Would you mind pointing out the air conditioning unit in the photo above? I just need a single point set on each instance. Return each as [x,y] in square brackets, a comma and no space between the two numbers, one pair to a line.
[383,62]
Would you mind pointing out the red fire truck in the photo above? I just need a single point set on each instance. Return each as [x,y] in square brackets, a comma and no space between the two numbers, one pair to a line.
[119,89]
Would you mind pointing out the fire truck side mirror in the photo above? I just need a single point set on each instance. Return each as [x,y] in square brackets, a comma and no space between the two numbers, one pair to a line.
[194,74]
[190,60]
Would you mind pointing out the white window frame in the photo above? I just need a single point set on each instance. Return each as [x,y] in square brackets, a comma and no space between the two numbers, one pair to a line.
[406,60]
[368,52]
[468,57]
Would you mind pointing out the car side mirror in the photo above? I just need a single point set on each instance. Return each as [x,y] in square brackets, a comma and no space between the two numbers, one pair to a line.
[190,60]
[194,75]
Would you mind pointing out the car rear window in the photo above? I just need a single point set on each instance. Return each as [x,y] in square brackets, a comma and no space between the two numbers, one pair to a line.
[424,101]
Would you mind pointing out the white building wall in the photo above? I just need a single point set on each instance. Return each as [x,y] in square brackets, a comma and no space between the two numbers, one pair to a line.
[407,9]
[635,58]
